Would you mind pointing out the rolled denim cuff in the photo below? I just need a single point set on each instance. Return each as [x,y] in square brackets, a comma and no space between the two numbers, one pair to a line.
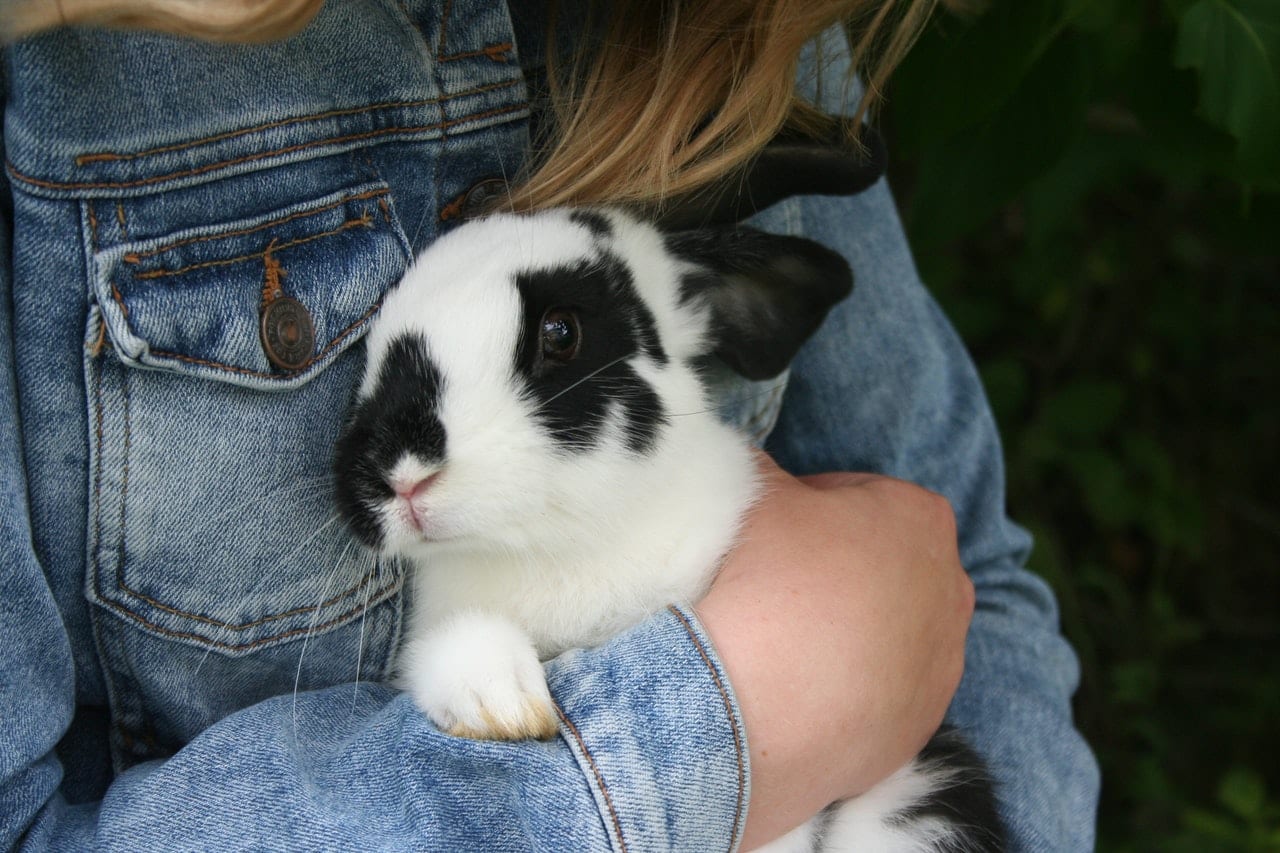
[658,734]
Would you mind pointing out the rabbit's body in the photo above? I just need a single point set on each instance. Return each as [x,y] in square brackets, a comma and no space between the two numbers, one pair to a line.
[532,433]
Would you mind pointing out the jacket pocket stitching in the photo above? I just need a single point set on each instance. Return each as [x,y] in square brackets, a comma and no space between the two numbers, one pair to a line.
[260,155]
[365,220]
[368,578]
[376,599]
[111,156]
[245,371]
[497,52]
[135,257]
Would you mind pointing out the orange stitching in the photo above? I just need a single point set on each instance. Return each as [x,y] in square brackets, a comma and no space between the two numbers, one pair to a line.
[261,155]
[93,226]
[453,208]
[124,228]
[135,257]
[244,370]
[100,342]
[496,52]
[444,29]
[728,707]
[386,210]
[364,221]
[287,375]
[119,298]
[604,789]
[273,272]
[109,156]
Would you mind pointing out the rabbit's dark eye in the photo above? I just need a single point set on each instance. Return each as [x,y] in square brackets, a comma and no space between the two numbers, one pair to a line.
[561,334]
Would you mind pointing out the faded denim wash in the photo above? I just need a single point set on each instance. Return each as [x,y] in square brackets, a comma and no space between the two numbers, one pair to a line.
[193,655]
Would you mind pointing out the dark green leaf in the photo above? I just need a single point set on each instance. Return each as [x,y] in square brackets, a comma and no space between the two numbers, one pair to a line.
[962,71]
[962,182]
[1235,46]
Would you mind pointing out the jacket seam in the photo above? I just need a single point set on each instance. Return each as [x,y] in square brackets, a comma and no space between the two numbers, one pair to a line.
[496,52]
[260,155]
[113,157]
[365,580]
[380,596]
[121,551]
[595,771]
[444,30]
[97,478]
[442,42]
[135,257]
[365,220]
[728,707]
[191,359]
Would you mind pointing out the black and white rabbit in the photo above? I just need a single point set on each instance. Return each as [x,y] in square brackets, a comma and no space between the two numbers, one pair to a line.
[533,435]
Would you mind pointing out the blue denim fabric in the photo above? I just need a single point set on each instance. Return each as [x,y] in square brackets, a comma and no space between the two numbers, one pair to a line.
[192,649]
[887,386]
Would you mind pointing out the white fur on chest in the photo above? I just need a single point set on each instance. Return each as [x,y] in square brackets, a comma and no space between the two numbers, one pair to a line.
[656,539]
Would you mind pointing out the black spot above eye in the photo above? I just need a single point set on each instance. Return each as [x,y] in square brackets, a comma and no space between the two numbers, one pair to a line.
[561,334]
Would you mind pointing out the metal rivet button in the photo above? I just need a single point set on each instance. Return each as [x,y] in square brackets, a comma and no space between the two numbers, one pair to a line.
[479,200]
[288,336]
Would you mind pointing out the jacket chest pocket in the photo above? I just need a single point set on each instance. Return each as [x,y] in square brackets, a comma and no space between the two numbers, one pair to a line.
[220,362]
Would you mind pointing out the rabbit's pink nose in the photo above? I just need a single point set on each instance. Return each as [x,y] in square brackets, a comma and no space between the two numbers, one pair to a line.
[408,489]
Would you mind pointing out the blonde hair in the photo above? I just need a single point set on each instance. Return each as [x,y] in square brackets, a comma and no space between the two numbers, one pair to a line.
[662,98]
[217,20]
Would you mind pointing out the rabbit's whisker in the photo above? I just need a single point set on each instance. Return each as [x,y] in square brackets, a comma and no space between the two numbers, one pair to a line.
[364,612]
[315,617]
[589,376]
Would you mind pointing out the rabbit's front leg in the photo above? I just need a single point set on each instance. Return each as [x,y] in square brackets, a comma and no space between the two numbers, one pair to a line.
[476,675]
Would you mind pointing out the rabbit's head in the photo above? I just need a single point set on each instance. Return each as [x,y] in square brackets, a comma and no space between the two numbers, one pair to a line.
[527,367]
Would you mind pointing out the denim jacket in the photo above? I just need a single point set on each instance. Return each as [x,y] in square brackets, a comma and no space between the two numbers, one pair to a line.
[193,654]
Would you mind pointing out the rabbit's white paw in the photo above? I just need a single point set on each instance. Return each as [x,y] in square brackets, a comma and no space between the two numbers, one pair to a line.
[478,676]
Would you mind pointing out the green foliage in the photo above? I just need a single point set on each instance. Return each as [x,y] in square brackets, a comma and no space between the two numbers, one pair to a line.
[1093,192]
[1236,48]
[986,106]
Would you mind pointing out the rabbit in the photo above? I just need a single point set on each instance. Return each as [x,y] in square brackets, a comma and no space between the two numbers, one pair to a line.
[532,434]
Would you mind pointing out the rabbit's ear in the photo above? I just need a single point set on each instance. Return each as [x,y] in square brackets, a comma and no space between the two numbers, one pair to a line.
[794,163]
[767,293]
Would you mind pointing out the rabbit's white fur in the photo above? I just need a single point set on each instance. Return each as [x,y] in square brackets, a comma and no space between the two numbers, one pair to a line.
[521,548]
[512,501]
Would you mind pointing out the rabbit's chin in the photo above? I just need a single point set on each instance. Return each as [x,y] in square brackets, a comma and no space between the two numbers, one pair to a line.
[440,539]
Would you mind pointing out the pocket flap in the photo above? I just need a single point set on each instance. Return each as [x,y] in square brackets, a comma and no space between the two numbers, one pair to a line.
[193,301]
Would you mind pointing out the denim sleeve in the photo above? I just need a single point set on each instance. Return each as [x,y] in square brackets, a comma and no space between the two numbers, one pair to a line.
[651,754]
[887,386]
[651,757]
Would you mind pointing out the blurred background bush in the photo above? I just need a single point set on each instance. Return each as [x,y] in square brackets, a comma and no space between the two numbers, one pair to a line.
[1092,189]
